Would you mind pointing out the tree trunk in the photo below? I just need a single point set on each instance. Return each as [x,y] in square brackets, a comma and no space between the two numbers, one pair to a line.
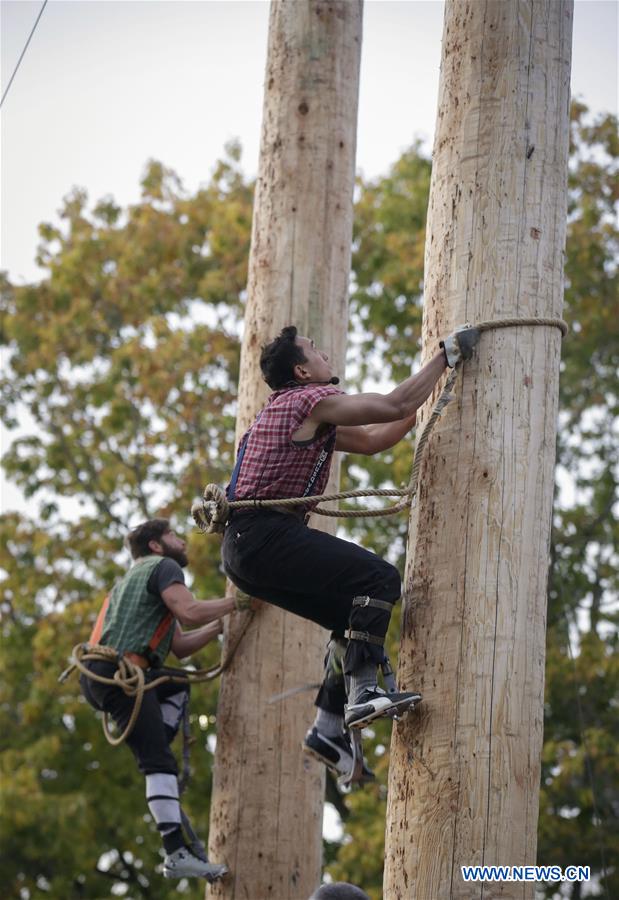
[465,768]
[267,803]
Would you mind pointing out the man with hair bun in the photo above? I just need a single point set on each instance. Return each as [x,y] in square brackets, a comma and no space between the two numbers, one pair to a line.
[271,554]
[143,619]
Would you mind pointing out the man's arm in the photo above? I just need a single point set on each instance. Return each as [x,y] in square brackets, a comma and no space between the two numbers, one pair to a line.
[369,439]
[186,643]
[368,409]
[193,613]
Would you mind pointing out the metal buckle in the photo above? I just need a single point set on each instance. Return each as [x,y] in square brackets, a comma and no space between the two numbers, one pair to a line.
[358,635]
[363,602]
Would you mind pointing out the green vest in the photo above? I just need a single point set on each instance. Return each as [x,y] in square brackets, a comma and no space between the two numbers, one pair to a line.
[134,614]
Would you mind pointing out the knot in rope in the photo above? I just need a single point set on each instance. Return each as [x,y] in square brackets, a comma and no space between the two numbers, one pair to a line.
[210,512]
[128,677]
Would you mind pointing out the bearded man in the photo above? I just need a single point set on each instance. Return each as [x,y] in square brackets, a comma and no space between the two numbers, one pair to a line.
[143,619]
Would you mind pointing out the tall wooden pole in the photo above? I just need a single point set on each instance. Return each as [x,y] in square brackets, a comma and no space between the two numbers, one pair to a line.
[465,769]
[267,803]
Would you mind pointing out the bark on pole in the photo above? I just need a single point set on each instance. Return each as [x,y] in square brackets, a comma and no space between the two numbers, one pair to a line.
[465,768]
[267,802]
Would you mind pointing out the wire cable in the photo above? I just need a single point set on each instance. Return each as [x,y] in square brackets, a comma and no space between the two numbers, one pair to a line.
[22,53]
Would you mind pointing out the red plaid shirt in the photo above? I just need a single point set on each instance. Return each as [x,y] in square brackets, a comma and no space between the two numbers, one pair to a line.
[274,466]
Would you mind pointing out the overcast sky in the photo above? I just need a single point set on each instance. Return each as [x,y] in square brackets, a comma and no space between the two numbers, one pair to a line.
[104,86]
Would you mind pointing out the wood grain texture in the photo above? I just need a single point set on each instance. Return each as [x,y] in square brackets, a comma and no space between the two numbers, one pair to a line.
[465,770]
[267,804]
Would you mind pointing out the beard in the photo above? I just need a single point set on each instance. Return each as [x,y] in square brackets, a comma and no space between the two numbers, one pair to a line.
[174,553]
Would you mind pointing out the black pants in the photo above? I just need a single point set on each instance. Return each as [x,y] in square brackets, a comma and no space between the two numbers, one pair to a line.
[150,737]
[275,557]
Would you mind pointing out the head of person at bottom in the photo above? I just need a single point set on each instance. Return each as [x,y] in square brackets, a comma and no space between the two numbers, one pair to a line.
[339,890]
[155,538]
[292,360]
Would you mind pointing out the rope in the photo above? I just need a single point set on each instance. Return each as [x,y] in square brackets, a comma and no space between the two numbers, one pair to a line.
[130,678]
[211,511]
[513,322]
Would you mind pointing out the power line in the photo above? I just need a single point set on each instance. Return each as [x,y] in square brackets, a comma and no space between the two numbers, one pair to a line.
[22,53]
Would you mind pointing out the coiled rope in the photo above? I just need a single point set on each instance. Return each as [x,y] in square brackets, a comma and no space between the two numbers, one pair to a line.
[211,511]
[131,680]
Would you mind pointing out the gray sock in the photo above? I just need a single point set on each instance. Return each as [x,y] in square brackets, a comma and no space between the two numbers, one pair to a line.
[329,724]
[362,678]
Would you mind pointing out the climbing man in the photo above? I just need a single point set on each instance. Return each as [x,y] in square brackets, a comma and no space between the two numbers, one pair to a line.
[271,554]
[141,621]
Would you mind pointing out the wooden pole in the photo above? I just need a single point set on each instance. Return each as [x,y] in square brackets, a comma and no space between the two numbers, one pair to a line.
[465,769]
[267,802]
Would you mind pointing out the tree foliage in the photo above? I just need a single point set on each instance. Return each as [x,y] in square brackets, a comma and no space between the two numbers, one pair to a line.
[125,360]
[579,803]
[122,366]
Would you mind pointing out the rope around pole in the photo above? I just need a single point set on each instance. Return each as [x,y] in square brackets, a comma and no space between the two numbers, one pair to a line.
[513,322]
[211,511]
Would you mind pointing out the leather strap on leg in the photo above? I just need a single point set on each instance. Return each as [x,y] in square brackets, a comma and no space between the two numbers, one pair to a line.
[371,601]
[365,636]
[355,635]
